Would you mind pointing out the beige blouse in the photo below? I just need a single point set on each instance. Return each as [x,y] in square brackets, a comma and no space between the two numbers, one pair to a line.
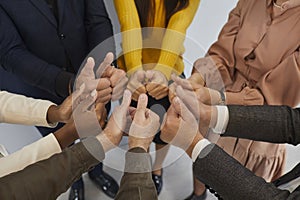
[256,50]
[257,58]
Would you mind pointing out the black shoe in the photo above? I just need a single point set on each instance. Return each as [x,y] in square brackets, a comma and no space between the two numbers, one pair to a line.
[77,191]
[158,182]
[106,183]
[193,196]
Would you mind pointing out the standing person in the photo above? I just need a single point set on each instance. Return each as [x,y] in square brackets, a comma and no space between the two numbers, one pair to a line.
[43,43]
[258,61]
[151,54]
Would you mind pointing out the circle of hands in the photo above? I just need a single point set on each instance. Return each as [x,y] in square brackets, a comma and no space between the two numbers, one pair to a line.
[187,117]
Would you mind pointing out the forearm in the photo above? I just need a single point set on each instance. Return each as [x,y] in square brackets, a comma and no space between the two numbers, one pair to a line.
[172,45]
[276,124]
[49,178]
[230,179]
[37,151]
[66,135]
[131,34]
[18,109]
[136,182]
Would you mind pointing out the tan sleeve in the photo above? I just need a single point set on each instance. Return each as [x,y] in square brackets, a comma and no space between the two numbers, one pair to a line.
[37,151]
[221,52]
[247,96]
[280,85]
[18,109]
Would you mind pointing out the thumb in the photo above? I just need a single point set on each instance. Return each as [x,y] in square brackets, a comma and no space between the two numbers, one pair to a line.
[141,75]
[182,110]
[88,69]
[141,108]
[109,58]
[150,74]
[126,101]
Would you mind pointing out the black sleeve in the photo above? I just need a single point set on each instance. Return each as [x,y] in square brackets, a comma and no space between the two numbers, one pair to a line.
[276,124]
[233,181]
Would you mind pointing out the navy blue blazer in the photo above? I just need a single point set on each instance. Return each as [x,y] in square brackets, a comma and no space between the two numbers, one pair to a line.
[36,49]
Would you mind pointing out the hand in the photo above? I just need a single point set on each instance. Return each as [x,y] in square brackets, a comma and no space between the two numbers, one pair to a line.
[102,85]
[205,95]
[192,83]
[117,123]
[144,126]
[118,81]
[180,127]
[172,91]
[86,117]
[101,113]
[136,84]
[290,4]
[63,112]
[205,114]
[157,84]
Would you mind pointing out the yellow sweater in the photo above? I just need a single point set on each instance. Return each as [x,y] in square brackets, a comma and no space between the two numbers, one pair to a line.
[161,48]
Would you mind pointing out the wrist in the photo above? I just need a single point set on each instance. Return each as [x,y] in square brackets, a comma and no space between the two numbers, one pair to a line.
[66,135]
[107,140]
[134,142]
[53,114]
[197,138]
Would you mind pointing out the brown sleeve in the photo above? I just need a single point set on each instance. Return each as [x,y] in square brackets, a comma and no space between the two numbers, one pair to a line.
[220,61]
[137,182]
[280,85]
[51,177]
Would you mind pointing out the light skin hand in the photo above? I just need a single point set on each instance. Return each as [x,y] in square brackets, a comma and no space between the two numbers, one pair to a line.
[205,95]
[118,81]
[112,134]
[136,84]
[205,114]
[157,84]
[290,4]
[180,127]
[101,84]
[144,126]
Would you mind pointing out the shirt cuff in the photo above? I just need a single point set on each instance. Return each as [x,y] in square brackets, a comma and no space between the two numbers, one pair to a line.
[199,147]
[222,121]
[62,83]
[137,161]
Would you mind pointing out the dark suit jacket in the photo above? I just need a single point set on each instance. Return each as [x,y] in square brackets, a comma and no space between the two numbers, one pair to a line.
[137,185]
[275,124]
[49,178]
[36,50]
[232,181]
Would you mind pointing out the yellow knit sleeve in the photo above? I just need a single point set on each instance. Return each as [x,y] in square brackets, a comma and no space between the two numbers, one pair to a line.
[174,38]
[131,34]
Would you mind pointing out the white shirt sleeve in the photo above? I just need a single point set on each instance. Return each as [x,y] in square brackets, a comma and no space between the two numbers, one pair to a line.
[18,109]
[37,151]
[198,148]
[222,120]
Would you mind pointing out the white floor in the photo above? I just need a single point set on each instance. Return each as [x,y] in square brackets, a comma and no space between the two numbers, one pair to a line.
[177,177]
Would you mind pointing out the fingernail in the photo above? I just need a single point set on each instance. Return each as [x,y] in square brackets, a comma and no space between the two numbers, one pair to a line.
[176,100]
[127,93]
[142,97]
[93,93]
